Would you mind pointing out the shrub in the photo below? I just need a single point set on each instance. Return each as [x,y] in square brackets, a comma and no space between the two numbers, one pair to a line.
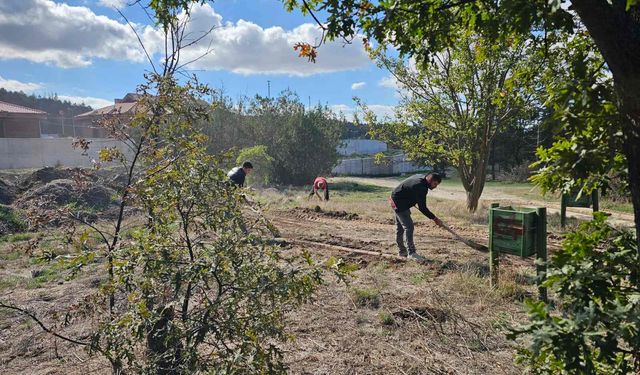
[596,329]
[366,297]
[262,164]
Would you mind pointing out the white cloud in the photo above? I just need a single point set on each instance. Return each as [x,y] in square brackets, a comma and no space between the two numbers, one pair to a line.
[113,3]
[88,100]
[13,85]
[244,47]
[67,36]
[30,87]
[389,82]
[380,110]
[358,85]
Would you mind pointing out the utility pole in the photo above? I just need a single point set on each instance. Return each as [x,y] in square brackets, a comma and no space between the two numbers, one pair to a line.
[269,89]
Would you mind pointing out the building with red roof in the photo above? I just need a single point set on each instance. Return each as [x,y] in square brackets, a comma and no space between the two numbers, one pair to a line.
[17,121]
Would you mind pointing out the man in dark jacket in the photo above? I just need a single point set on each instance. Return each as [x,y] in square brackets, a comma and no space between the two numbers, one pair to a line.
[410,192]
[237,175]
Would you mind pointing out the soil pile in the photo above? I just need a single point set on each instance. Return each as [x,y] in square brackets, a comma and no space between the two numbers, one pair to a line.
[43,193]
[7,192]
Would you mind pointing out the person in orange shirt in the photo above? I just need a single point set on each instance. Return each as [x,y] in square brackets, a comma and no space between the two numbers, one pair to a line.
[320,183]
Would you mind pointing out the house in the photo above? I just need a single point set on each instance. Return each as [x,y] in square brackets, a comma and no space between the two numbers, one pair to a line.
[17,121]
[87,124]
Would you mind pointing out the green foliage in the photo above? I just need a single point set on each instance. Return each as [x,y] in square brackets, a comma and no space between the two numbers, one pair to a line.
[262,164]
[187,289]
[167,11]
[51,104]
[356,187]
[367,297]
[585,115]
[420,28]
[11,220]
[302,142]
[423,29]
[17,237]
[453,107]
[596,329]
[189,281]
[386,318]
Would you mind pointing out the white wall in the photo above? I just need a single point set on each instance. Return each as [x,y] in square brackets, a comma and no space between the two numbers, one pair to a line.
[42,152]
[361,146]
[397,164]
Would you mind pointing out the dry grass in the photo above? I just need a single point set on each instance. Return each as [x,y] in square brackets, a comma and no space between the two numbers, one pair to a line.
[393,318]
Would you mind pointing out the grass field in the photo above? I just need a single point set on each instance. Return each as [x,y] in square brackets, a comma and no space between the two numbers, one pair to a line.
[394,317]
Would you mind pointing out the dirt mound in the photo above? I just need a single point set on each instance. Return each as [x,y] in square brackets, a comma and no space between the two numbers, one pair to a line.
[310,213]
[96,196]
[10,221]
[62,192]
[46,175]
[7,193]
[56,193]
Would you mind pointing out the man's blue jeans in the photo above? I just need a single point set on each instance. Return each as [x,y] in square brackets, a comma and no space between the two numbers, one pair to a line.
[404,232]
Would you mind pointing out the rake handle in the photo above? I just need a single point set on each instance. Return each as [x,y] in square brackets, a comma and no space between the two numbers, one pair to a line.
[467,242]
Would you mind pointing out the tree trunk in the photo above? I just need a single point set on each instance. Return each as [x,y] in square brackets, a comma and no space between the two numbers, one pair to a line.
[164,349]
[493,161]
[616,32]
[473,179]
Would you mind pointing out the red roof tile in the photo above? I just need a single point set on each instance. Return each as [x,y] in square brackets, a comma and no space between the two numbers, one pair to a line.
[115,109]
[18,109]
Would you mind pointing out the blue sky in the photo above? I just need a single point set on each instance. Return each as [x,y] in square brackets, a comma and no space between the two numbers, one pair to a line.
[84,51]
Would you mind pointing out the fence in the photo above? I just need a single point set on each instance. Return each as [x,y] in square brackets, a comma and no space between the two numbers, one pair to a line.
[59,127]
[390,165]
[18,153]
[361,146]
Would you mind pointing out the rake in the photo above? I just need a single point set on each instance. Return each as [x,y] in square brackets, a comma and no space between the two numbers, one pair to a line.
[465,241]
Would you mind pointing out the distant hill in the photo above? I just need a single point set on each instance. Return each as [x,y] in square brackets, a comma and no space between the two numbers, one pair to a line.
[52,105]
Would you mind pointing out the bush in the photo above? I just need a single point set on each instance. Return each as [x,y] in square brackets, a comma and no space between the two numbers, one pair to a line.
[302,142]
[262,164]
[518,173]
[596,329]
[367,297]
[10,221]
[386,318]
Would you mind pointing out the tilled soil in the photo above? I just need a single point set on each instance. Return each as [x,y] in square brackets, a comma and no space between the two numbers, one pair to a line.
[425,323]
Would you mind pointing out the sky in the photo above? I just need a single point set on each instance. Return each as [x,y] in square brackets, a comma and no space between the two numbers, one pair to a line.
[85,51]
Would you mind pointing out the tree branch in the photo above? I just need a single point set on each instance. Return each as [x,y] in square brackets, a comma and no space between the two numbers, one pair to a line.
[44,327]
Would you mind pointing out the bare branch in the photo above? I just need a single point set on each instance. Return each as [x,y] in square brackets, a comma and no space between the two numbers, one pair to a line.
[44,327]
[139,40]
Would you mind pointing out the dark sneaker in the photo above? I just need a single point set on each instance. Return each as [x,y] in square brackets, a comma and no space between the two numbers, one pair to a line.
[416,256]
[402,253]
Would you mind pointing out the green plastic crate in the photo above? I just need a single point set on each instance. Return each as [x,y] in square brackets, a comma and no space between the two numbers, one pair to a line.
[513,230]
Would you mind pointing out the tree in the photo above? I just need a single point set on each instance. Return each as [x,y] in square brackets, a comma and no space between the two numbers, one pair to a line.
[422,28]
[453,107]
[186,289]
[262,164]
[584,113]
[52,105]
[302,142]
